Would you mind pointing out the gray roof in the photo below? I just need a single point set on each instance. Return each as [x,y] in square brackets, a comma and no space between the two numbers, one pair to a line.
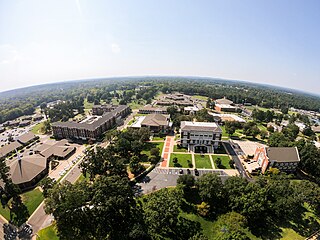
[94,125]
[26,137]
[27,169]
[9,148]
[156,120]
[200,126]
[283,154]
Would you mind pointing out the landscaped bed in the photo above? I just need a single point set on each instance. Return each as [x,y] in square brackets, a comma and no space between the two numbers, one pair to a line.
[202,161]
[182,160]
[224,161]
[176,148]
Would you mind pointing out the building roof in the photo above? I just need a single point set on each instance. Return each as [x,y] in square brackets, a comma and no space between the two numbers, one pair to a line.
[9,148]
[27,168]
[26,137]
[156,120]
[152,108]
[200,126]
[223,101]
[60,149]
[93,125]
[283,154]
[191,108]
[316,129]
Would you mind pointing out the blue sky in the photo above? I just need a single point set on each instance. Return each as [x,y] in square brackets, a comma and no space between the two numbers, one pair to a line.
[273,41]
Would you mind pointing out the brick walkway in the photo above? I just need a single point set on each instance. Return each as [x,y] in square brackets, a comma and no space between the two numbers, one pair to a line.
[167,150]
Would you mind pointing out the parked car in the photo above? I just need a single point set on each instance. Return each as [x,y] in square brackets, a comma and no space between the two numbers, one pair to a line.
[180,171]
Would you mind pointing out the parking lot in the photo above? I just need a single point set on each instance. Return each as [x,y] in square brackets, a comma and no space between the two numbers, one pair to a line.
[15,132]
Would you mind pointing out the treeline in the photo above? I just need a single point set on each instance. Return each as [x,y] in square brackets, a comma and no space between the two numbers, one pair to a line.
[20,102]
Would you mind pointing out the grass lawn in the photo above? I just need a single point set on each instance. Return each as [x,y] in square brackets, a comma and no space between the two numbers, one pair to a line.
[150,145]
[203,161]
[224,133]
[48,233]
[224,161]
[87,105]
[83,178]
[182,159]
[31,199]
[158,138]
[37,128]
[177,149]
[204,98]
[136,105]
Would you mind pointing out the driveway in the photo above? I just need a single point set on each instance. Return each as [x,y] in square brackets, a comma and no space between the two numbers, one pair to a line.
[236,160]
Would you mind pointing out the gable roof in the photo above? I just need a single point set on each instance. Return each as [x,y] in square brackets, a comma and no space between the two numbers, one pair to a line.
[60,149]
[9,148]
[283,154]
[156,120]
[27,168]
[26,137]
[224,101]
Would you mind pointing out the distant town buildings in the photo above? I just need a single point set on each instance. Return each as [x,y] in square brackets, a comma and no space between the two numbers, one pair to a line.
[200,136]
[91,128]
[176,99]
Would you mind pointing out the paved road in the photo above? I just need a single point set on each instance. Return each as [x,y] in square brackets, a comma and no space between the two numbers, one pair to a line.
[39,219]
[236,160]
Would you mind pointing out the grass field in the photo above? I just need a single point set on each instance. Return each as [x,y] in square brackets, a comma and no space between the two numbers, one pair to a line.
[37,128]
[199,97]
[31,199]
[48,233]
[150,145]
[203,161]
[136,105]
[182,159]
[177,149]
[224,161]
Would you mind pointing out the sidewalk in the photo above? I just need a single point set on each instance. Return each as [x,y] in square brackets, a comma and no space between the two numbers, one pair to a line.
[168,146]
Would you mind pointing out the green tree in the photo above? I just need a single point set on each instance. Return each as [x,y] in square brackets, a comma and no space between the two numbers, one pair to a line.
[211,191]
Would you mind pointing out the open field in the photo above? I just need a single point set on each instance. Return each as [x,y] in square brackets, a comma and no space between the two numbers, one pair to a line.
[182,159]
[202,161]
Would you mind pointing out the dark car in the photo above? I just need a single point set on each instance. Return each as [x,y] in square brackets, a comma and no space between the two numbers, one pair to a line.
[188,171]
[180,171]
[196,172]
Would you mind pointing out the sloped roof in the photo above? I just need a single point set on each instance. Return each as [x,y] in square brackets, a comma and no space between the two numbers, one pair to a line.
[283,154]
[27,168]
[200,126]
[156,120]
[224,101]
[9,148]
[60,149]
[26,137]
